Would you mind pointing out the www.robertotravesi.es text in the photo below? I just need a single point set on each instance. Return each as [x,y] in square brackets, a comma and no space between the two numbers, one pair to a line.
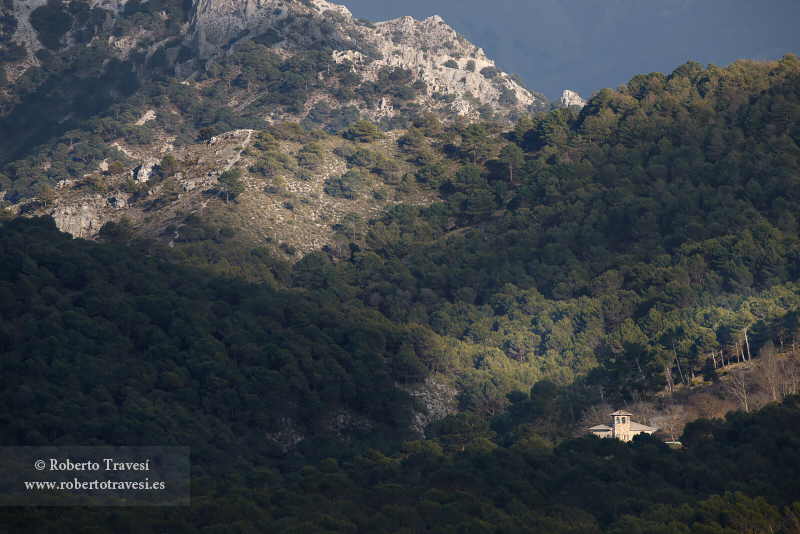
[95,485]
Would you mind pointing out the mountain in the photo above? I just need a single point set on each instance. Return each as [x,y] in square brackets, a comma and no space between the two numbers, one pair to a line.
[94,70]
[434,52]
[364,318]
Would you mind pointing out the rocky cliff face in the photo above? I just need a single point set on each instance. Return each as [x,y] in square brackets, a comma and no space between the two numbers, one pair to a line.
[449,64]
[83,217]
[571,98]
[439,400]
[81,212]
[217,23]
[456,71]
[445,61]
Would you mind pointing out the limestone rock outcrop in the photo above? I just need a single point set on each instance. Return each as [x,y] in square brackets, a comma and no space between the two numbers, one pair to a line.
[438,399]
[463,79]
[83,218]
[451,66]
[571,98]
[142,172]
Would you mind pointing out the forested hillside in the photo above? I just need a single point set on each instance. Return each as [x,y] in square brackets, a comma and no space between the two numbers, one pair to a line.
[628,247]
[103,345]
[652,233]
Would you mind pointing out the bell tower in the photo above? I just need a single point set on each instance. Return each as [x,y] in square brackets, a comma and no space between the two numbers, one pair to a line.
[621,425]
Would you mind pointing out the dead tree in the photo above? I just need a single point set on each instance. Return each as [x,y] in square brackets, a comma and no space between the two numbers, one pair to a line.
[740,385]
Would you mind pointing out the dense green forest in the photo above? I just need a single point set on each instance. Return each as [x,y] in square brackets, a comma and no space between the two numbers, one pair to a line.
[103,345]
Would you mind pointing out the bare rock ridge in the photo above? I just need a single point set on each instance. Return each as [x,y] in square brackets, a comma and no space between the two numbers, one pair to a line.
[442,58]
[423,46]
[571,98]
[82,213]
[445,61]
[449,64]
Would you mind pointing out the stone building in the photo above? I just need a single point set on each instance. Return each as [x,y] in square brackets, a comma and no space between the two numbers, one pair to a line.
[621,427]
